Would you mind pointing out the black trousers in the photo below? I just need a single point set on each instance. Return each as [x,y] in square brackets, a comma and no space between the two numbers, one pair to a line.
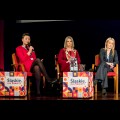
[101,74]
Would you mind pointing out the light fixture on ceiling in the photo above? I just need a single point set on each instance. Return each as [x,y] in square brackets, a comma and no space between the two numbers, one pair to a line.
[31,21]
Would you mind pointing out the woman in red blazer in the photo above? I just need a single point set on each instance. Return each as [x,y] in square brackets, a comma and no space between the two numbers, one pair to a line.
[27,56]
[66,53]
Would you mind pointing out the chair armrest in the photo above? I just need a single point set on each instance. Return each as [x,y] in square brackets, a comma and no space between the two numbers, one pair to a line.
[57,68]
[22,66]
[115,68]
[93,66]
[15,66]
[81,67]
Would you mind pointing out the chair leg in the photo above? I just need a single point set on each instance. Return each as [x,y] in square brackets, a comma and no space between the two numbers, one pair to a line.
[58,75]
[116,85]
[116,97]
[96,88]
[43,81]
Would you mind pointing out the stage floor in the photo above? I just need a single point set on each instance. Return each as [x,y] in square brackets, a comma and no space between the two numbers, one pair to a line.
[98,96]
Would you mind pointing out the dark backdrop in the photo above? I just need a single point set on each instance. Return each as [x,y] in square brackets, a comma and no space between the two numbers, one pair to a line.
[48,37]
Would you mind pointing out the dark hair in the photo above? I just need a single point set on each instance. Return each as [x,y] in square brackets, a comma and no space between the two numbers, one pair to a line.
[25,34]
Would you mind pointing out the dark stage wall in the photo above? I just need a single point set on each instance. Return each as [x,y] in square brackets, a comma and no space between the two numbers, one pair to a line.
[48,38]
[1,45]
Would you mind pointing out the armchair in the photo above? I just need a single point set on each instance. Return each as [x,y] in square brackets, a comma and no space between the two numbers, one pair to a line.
[113,74]
[20,67]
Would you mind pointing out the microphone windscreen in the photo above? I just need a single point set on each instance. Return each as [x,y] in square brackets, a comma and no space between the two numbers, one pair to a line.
[29,44]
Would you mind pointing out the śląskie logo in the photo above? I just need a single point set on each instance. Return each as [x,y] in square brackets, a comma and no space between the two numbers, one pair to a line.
[77,81]
[14,81]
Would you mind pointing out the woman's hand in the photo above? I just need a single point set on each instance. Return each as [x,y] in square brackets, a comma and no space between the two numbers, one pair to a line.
[110,64]
[68,61]
[30,50]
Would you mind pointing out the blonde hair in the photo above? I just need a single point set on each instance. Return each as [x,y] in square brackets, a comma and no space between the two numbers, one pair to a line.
[106,42]
[65,43]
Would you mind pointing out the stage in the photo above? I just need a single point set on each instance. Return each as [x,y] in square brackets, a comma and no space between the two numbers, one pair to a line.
[97,96]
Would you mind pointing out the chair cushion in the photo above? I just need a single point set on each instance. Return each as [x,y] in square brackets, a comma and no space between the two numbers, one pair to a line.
[29,74]
[109,74]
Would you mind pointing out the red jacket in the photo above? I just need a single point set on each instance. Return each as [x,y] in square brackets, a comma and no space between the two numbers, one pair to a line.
[21,53]
[62,59]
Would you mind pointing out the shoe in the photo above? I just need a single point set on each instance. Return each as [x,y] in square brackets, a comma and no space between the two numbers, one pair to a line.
[52,80]
[104,92]
[91,70]
[95,82]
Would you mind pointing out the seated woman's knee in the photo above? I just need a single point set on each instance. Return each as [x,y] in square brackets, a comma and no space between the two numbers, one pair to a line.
[38,60]
[36,67]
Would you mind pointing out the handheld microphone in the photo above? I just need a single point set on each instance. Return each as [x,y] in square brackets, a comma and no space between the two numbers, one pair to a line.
[28,45]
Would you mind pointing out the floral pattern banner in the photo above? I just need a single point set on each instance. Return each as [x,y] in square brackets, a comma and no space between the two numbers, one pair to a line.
[13,83]
[77,84]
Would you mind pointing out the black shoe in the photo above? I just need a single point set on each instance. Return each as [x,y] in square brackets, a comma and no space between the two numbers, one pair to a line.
[91,70]
[104,92]
[52,80]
